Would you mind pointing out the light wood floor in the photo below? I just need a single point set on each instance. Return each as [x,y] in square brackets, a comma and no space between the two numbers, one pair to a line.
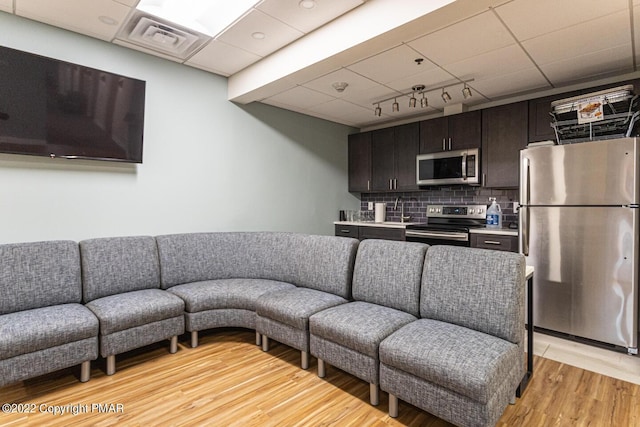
[229,381]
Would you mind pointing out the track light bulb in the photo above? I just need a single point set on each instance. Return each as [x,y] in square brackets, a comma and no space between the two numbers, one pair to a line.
[378,111]
[445,96]
[424,103]
[412,101]
[466,92]
[395,107]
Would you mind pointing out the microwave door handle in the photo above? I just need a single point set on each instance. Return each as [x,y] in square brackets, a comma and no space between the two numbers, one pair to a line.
[464,166]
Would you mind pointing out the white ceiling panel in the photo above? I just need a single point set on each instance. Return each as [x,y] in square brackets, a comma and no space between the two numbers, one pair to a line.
[300,97]
[595,35]
[366,98]
[130,3]
[6,5]
[356,83]
[145,50]
[506,84]
[429,78]
[476,35]
[343,112]
[75,16]
[277,34]
[393,64]
[604,62]
[306,20]
[501,61]
[209,58]
[528,19]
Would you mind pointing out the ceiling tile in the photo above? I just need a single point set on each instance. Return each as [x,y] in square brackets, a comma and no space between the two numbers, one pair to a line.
[130,3]
[473,36]
[346,112]
[506,84]
[355,81]
[429,78]
[527,19]
[491,64]
[580,39]
[277,34]
[366,98]
[235,58]
[300,97]
[75,16]
[306,20]
[604,62]
[6,5]
[392,64]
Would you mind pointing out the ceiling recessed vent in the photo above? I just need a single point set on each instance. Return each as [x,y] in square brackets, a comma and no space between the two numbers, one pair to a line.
[153,33]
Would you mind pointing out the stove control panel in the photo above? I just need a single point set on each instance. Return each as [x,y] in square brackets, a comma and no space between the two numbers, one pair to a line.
[457,211]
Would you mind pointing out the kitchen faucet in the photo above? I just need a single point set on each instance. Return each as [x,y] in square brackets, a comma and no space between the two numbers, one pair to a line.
[395,208]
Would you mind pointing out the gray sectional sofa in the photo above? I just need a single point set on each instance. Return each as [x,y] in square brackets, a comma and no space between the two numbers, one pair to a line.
[439,327]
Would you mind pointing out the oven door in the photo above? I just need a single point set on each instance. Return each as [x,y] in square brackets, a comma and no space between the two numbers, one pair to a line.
[438,237]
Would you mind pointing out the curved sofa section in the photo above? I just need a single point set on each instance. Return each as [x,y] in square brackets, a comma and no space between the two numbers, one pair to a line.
[440,327]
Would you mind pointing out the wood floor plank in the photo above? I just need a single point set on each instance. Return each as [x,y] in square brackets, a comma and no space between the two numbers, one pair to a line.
[228,380]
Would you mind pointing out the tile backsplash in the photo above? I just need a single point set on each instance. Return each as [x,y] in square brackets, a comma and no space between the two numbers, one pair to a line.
[415,203]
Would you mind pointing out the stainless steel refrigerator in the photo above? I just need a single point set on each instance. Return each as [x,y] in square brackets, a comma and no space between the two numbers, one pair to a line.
[579,220]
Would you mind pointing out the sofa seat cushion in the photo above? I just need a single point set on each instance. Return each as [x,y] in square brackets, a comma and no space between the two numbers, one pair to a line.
[41,328]
[294,306]
[358,325]
[226,293]
[130,309]
[463,360]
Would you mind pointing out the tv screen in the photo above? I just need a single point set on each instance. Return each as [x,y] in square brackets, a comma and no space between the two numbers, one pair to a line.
[58,109]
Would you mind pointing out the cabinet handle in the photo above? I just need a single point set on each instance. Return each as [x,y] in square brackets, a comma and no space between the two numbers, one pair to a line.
[345,231]
[449,144]
[395,183]
[368,185]
[390,184]
[444,146]
[484,180]
[492,242]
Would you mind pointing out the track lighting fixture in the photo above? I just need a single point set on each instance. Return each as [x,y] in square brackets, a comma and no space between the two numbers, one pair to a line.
[424,102]
[445,96]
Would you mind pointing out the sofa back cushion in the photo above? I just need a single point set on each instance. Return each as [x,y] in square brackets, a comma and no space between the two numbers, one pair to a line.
[114,265]
[39,274]
[476,288]
[388,273]
[319,262]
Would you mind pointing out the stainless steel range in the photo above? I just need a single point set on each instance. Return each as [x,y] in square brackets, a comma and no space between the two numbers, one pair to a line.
[448,225]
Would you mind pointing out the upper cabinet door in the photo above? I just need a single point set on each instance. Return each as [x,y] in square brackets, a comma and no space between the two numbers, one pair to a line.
[407,142]
[465,130]
[382,159]
[433,135]
[360,162]
[457,132]
[504,134]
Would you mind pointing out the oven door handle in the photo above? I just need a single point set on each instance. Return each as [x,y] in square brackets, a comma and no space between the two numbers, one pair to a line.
[459,237]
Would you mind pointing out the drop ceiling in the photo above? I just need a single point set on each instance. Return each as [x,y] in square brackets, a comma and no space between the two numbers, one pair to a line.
[502,49]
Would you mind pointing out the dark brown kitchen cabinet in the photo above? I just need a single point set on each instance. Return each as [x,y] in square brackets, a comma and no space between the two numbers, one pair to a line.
[393,158]
[540,119]
[504,134]
[360,162]
[496,242]
[456,132]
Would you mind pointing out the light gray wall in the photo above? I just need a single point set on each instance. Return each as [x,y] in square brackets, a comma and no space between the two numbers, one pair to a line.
[209,165]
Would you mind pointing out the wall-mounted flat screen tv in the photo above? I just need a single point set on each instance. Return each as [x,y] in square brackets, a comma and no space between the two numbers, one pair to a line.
[58,109]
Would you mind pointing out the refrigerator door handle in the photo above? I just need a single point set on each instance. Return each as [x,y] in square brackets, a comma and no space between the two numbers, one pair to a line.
[524,223]
[524,210]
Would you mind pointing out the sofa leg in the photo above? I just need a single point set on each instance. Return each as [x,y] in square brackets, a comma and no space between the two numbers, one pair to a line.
[374,394]
[305,359]
[393,406]
[173,347]
[321,368]
[194,339]
[111,364]
[265,343]
[258,338]
[85,371]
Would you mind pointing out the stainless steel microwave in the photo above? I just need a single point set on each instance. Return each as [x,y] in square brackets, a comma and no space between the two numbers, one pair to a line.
[449,167]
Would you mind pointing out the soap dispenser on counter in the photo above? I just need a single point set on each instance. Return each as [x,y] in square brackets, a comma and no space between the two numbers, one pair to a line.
[494,214]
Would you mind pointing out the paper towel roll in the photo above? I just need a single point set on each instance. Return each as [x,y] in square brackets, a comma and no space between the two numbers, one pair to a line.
[381,211]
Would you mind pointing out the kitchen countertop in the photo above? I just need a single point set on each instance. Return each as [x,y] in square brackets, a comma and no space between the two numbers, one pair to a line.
[386,224]
[502,231]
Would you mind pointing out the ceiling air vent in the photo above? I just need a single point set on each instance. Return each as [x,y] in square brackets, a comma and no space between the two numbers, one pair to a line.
[153,33]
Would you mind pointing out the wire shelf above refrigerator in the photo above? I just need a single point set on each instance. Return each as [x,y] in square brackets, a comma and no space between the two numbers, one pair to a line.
[607,114]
